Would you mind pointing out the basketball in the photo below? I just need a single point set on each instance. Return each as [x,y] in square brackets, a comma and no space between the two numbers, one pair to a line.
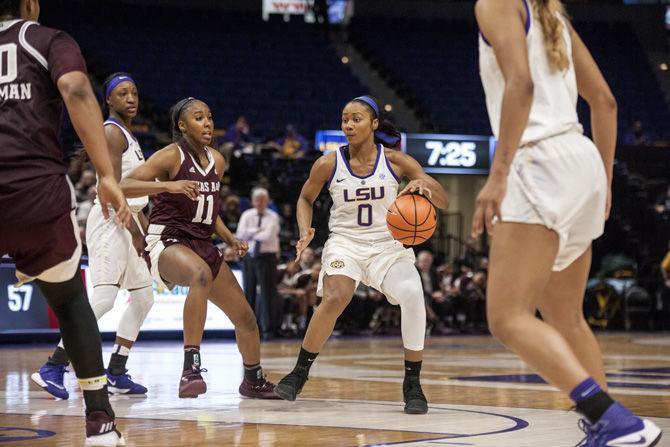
[411,219]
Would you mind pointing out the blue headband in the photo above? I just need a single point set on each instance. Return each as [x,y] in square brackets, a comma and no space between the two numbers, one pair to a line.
[369,101]
[382,137]
[116,80]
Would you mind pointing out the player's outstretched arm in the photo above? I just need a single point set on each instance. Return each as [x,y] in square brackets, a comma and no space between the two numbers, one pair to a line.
[420,182]
[153,177]
[86,118]
[318,176]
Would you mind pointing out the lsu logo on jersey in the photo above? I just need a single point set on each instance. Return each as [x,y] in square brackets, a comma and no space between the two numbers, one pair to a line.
[364,194]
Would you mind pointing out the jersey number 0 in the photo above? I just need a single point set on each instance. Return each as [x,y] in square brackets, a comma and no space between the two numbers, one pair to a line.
[8,71]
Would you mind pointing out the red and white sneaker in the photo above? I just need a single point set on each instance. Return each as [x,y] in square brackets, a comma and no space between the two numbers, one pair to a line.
[191,383]
[101,431]
[262,389]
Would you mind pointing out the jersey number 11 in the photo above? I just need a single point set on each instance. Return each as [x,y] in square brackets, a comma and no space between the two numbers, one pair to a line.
[200,211]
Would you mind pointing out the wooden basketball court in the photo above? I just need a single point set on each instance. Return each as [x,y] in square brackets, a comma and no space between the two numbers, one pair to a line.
[479,395]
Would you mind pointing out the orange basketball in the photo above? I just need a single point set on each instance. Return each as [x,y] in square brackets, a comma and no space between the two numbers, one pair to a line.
[411,219]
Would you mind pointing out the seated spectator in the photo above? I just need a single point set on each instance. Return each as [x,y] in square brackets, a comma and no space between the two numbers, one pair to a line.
[472,255]
[636,135]
[297,291]
[662,204]
[238,136]
[474,297]
[86,180]
[84,208]
[437,307]
[307,259]
[288,227]
[291,145]
[230,212]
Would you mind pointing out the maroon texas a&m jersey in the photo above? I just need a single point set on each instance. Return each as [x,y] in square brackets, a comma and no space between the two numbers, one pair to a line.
[32,166]
[181,216]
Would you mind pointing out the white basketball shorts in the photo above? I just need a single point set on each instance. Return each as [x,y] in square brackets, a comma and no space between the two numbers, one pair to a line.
[111,255]
[366,262]
[559,182]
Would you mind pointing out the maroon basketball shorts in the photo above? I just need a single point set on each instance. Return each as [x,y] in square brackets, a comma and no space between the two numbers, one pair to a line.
[49,251]
[160,237]
[39,231]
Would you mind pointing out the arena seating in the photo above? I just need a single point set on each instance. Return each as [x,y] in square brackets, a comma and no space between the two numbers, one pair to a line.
[231,62]
[434,64]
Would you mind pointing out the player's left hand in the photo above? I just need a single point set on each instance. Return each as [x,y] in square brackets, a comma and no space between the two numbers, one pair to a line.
[487,205]
[240,247]
[419,186]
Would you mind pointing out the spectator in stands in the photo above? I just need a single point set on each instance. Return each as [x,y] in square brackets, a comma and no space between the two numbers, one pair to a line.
[230,212]
[291,144]
[471,257]
[437,306]
[293,298]
[636,135]
[665,290]
[86,180]
[289,227]
[238,135]
[259,226]
[83,208]
[307,259]
[474,298]
[662,205]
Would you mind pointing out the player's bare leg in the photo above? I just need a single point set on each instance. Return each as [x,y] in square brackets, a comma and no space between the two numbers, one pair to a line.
[561,305]
[179,264]
[337,293]
[227,295]
[521,260]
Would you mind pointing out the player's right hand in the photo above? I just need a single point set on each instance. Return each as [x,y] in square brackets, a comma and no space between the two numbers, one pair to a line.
[189,188]
[109,193]
[303,242]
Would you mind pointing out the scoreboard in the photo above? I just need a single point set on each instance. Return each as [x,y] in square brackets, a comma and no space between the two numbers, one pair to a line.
[436,153]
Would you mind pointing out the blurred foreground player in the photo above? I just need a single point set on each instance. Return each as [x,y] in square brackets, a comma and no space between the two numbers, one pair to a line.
[113,257]
[37,223]
[549,189]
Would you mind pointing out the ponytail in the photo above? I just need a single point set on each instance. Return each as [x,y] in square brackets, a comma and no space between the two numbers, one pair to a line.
[545,12]
[387,134]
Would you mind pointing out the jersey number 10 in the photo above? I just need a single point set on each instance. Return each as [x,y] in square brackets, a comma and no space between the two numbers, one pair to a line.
[200,211]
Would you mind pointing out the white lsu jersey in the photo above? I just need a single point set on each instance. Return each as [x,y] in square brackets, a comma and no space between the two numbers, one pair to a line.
[554,107]
[132,157]
[360,203]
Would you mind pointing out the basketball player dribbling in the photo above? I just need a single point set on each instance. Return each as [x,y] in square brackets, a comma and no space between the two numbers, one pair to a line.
[363,179]
[40,69]
[113,260]
[185,179]
[549,189]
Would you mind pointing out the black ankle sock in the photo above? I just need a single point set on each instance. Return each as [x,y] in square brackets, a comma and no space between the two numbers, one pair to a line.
[98,400]
[595,406]
[253,373]
[412,369]
[191,357]
[59,357]
[305,359]
[117,364]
